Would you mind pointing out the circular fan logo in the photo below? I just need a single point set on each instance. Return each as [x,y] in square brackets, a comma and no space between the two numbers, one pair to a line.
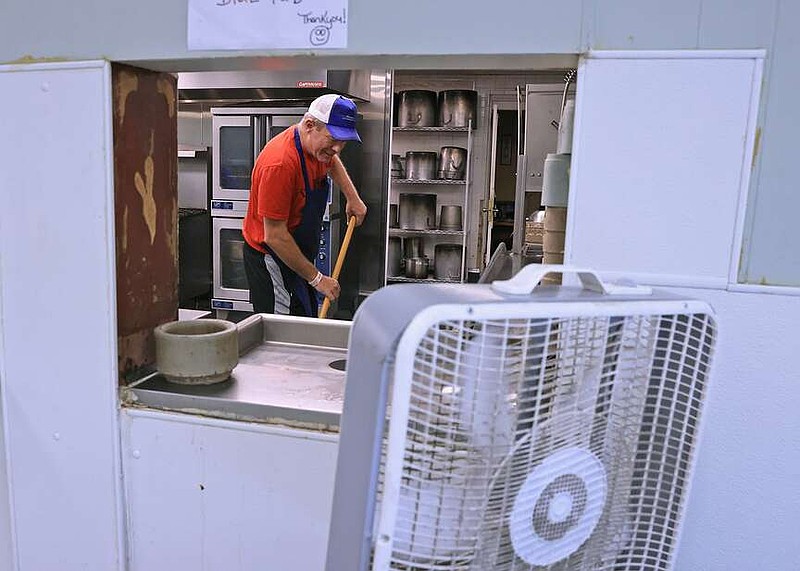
[558,506]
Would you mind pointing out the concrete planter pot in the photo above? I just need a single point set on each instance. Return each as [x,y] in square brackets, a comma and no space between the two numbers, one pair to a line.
[199,352]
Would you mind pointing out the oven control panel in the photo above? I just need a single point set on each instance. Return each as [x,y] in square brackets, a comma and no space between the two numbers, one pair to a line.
[323,261]
[228,208]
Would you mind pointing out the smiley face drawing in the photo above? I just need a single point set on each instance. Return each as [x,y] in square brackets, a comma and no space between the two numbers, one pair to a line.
[319,36]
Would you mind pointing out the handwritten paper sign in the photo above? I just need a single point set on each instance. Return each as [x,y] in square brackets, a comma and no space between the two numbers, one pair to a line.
[267,24]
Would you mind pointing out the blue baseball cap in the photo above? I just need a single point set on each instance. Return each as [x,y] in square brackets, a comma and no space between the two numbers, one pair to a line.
[339,115]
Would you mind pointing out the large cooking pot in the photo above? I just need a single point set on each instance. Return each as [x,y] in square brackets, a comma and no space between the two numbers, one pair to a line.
[417,211]
[416,108]
[395,257]
[447,261]
[457,107]
[421,165]
[450,217]
[452,163]
[417,268]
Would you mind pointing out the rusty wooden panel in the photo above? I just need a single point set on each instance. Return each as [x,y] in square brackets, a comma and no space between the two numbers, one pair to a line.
[146,210]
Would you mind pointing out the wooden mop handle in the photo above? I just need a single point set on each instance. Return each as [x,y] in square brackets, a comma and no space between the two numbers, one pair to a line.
[326,305]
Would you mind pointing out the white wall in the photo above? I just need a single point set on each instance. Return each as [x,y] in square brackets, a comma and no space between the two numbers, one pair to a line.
[744,508]
[6,552]
[770,255]
[150,29]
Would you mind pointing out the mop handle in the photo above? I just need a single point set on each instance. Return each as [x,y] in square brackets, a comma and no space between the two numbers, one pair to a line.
[339,262]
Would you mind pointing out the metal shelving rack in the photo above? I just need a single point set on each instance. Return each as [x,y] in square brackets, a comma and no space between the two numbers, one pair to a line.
[396,183]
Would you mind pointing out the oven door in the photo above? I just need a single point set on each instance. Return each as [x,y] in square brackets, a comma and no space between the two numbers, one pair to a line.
[230,281]
[276,124]
[235,139]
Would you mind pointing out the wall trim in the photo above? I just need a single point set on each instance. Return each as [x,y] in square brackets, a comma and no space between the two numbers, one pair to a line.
[239,425]
[113,350]
[52,65]
[764,289]
[676,54]
[666,280]
[737,251]
[695,282]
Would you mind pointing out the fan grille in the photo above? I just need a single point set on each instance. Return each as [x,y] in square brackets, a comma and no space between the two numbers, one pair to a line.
[549,443]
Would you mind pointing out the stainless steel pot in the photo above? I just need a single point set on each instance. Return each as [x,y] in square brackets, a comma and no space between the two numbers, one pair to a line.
[452,163]
[395,258]
[421,165]
[416,108]
[457,107]
[450,218]
[417,268]
[417,211]
[447,262]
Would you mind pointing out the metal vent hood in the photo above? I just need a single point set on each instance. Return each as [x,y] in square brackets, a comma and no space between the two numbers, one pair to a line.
[228,87]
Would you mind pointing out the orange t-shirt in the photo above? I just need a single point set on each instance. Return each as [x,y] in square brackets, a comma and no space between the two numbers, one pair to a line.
[277,189]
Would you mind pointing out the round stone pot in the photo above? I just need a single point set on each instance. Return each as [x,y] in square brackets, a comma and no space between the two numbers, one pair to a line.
[199,351]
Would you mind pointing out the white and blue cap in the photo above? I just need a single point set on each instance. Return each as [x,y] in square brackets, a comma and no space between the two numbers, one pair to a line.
[339,115]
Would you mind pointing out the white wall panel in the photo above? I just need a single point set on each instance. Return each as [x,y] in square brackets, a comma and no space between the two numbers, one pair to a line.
[751,24]
[660,158]
[744,506]
[637,25]
[206,494]
[57,267]
[150,29]
[771,253]
[455,26]
[6,545]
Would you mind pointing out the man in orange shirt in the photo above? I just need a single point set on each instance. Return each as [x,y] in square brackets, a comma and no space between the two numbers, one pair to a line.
[288,196]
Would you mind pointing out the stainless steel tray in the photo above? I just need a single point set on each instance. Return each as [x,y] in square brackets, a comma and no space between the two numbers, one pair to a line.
[284,376]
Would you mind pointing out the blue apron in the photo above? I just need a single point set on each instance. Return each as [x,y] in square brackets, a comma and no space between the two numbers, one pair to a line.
[306,235]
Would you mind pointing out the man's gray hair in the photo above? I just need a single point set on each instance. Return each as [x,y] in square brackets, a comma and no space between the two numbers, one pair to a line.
[316,121]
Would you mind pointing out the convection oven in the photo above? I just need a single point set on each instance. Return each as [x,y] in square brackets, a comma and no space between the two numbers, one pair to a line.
[229,280]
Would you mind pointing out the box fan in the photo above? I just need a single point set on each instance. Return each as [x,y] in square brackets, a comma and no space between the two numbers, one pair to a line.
[512,426]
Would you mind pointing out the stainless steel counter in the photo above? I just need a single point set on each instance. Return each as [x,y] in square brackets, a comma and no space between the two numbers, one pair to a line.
[284,376]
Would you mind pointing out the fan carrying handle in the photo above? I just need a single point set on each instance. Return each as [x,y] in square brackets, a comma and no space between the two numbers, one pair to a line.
[526,280]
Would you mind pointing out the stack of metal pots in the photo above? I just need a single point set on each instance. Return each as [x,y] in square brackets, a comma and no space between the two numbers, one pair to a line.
[425,108]
[419,108]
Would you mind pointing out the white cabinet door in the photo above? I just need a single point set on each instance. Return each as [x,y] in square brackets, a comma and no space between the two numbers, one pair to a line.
[542,112]
[207,494]
[661,161]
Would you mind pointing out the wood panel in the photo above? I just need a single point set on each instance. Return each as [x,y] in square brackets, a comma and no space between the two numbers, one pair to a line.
[146,212]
